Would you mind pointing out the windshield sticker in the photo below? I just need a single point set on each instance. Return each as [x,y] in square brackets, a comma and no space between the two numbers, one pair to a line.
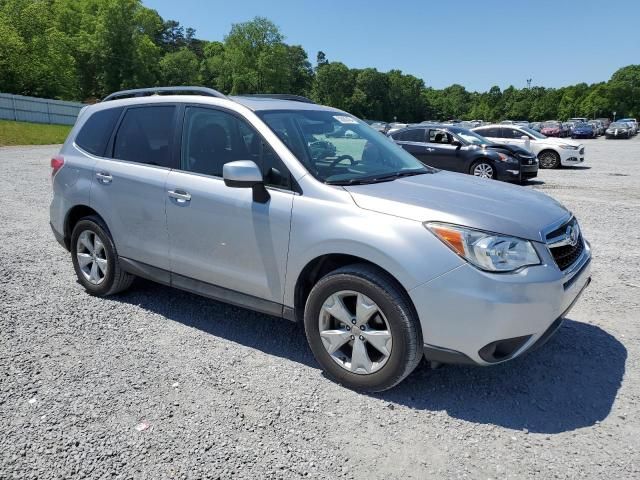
[345,120]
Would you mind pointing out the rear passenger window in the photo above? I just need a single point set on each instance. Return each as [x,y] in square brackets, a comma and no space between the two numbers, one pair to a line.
[490,132]
[145,135]
[96,131]
[413,135]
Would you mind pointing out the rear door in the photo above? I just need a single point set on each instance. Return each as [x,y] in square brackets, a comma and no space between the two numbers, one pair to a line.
[129,185]
[413,140]
[492,133]
[513,136]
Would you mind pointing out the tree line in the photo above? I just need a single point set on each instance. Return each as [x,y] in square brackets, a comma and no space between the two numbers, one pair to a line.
[85,49]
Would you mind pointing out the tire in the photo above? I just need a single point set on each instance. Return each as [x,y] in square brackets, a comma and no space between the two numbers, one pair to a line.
[549,159]
[101,273]
[483,169]
[394,312]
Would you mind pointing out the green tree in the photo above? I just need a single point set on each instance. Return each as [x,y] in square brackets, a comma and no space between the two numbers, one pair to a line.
[596,103]
[333,85]
[12,50]
[624,91]
[179,68]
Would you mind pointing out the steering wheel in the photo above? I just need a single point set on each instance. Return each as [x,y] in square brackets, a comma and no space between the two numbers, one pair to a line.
[341,158]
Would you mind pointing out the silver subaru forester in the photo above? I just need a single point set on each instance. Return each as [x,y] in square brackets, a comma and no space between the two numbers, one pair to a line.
[302,211]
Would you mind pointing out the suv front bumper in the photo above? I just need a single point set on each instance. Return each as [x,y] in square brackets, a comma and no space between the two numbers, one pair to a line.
[475,317]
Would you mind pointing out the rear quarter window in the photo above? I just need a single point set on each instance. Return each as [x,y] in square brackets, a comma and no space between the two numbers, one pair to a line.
[96,132]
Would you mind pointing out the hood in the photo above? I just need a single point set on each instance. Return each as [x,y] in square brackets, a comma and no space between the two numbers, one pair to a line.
[463,200]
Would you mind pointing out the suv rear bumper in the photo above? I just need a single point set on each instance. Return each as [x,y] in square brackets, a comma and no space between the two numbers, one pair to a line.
[474,317]
[59,236]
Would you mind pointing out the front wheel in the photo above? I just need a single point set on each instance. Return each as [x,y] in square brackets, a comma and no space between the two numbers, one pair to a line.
[362,329]
[549,159]
[483,169]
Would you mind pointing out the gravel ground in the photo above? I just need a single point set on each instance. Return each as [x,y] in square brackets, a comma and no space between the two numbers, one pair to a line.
[158,383]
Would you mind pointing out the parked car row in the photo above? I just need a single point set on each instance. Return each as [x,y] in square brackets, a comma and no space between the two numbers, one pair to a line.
[578,127]
[302,211]
[457,149]
[508,152]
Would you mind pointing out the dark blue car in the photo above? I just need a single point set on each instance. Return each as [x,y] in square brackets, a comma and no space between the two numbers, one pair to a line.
[583,130]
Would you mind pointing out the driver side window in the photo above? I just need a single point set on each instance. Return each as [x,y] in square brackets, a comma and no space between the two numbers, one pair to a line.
[211,138]
[439,136]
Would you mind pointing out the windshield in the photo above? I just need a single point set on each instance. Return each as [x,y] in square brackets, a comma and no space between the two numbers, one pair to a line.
[339,149]
[618,125]
[533,133]
[582,125]
[470,137]
[551,125]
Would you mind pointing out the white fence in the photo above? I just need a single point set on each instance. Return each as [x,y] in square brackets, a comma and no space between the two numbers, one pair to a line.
[38,110]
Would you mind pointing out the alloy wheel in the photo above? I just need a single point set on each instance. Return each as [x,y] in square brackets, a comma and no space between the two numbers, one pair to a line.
[548,160]
[92,257]
[355,332]
[483,170]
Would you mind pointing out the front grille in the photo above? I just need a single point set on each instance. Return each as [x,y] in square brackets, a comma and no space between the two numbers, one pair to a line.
[566,255]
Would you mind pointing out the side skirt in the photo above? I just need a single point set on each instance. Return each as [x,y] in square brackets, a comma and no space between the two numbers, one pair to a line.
[206,289]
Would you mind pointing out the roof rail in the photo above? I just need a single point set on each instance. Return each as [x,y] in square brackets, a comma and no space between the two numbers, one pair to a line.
[145,92]
[279,96]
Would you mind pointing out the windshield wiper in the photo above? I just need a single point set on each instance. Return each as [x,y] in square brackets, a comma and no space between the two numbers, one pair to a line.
[378,178]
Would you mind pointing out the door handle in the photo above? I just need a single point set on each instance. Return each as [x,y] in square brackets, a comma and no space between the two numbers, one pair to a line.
[180,196]
[104,177]
[429,149]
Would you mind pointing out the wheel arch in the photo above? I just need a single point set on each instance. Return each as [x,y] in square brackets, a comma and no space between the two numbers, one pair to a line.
[74,215]
[321,265]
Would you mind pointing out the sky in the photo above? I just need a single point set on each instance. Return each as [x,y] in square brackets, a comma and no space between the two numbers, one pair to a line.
[475,43]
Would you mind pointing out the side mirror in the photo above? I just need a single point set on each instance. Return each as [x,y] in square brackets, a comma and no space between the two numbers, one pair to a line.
[456,143]
[245,174]
[524,137]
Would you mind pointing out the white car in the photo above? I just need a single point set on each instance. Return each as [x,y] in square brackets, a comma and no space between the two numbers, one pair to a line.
[551,152]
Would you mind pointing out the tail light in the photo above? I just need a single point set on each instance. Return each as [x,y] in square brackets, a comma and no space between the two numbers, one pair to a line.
[57,162]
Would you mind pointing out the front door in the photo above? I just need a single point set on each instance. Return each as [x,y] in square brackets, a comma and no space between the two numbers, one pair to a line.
[220,235]
[445,155]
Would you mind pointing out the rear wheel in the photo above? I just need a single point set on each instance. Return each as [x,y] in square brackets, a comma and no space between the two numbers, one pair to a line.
[362,328]
[95,258]
[549,159]
[483,169]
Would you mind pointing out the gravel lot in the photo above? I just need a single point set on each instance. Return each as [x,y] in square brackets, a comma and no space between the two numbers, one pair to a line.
[158,383]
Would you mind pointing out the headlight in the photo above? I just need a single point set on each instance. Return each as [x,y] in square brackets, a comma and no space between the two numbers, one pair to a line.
[568,147]
[487,251]
[506,158]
